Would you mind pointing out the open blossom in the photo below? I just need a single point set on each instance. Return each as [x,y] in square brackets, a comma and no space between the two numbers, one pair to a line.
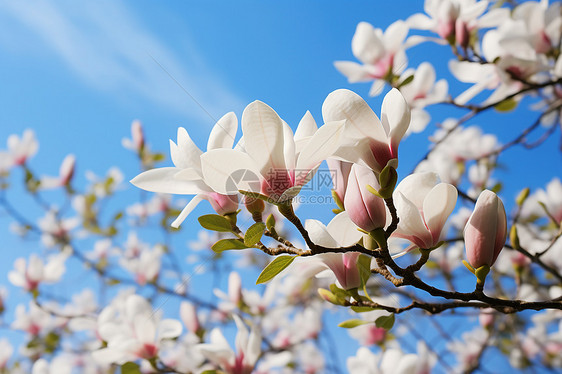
[368,141]
[29,274]
[381,54]
[146,266]
[248,349]
[274,162]
[486,230]
[56,230]
[21,149]
[136,143]
[133,332]
[551,197]
[36,321]
[423,206]
[186,176]
[455,20]
[340,232]
[66,173]
[365,209]
[422,91]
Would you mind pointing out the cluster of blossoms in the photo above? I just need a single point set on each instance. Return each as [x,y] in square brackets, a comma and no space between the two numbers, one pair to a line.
[153,312]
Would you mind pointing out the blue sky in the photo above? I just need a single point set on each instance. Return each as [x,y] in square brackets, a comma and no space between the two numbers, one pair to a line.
[80,73]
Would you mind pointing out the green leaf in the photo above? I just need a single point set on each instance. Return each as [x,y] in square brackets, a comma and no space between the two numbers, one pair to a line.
[364,266]
[226,244]
[214,222]
[406,81]
[506,105]
[130,368]
[386,322]
[275,267]
[270,222]
[351,323]
[362,309]
[253,234]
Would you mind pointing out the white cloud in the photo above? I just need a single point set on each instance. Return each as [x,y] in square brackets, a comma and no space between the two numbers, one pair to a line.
[109,49]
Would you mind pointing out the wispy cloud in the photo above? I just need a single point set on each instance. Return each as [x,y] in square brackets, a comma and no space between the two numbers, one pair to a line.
[109,49]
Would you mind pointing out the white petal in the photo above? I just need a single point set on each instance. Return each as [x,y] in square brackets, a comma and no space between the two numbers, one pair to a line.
[394,35]
[343,230]
[306,128]
[438,205]
[165,180]
[226,171]
[188,209]
[145,331]
[361,123]
[322,145]
[395,115]
[376,88]
[411,223]
[224,132]
[415,187]
[263,137]
[366,45]
[289,147]
[354,72]
[319,234]
[420,21]
[169,328]
[185,154]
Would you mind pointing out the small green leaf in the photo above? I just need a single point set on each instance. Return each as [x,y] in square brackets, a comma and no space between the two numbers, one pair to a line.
[331,298]
[506,105]
[406,81]
[270,222]
[226,244]
[130,368]
[362,309]
[214,222]
[351,323]
[275,267]
[364,266]
[522,196]
[386,322]
[253,234]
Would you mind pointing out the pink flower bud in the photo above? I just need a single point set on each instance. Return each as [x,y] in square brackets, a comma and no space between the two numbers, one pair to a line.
[188,315]
[486,230]
[462,33]
[234,288]
[137,135]
[223,204]
[365,209]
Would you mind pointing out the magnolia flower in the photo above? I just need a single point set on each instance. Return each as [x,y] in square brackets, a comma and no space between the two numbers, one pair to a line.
[486,230]
[186,176]
[423,206]
[36,321]
[541,25]
[136,143]
[340,232]
[133,333]
[551,197]
[54,229]
[421,92]
[248,349]
[455,20]
[6,351]
[21,149]
[368,140]
[382,54]
[146,266]
[391,361]
[188,315]
[275,162]
[66,172]
[29,274]
[365,209]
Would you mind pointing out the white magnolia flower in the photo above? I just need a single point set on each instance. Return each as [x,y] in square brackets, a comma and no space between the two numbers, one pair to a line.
[136,143]
[422,91]
[186,176]
[21,149]
[423,206]
[56,230]
[275,162]
[551,197]
[66,172]
[146,266]
[30,273]
[340,232]
[135,332]
[248,349]
[368,140]
[381,54]
[455,20]
[36,321]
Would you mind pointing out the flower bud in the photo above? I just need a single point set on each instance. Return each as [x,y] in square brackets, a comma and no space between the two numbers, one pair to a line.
[486,230]
[223,204]
[365,209]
